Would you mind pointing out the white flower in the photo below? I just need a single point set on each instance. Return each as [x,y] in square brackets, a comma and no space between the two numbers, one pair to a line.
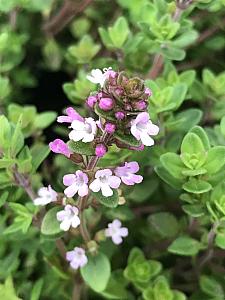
[142,128]
[46,195]
[77,258]
[97,76]
[83,130]
[105,182]
[116,232]
[77,183]
[68,217]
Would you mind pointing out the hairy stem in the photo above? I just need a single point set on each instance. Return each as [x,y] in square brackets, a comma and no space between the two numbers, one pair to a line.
[67,12]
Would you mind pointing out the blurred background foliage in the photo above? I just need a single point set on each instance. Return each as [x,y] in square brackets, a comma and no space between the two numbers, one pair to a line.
[47,47]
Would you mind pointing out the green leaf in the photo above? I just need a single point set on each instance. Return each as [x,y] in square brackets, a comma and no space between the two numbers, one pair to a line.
[111,201]
[50,225]
[185,39]
[178,296]
[215,159]
[185,120]
[173,164]
[185,246]
[195,210]
[173,53]
[7,291]
[6,162]
[197,186]
[165,224]
[3,198]
[96,272]
[168,178]
[81,148]
[39,152]
[192,144]
[4,88]
[200,132]
[127,139]
[44,119]
[17,141]
[115,288]
[108,115]
[36,290]
[119,32]
[222,126]
[220,240]
[211,287]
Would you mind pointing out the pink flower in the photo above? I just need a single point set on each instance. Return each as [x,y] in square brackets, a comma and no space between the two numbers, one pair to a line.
[58,146]
[71,116]
[127,173]
[46,195]
[68,217]
[84,130]
[106,104]
[91,100]
[77,183]
[105,182]
[142,128]
[120,115]
[116,232]
[77,258]
[110,128]
[100,150]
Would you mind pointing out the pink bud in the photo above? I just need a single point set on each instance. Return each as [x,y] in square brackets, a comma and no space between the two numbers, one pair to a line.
[141,105]
[106,104]
[119,91]
[91,100]
[58,146]
[100,150]
[110,128]
[148,92]
[120,115]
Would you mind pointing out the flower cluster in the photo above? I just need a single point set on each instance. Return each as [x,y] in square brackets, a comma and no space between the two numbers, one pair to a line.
[121,105]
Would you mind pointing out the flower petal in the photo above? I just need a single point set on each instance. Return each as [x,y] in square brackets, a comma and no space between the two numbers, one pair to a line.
[114,182]
[95,186]
[83,190]
[106,190]
[71,190]
[69,179]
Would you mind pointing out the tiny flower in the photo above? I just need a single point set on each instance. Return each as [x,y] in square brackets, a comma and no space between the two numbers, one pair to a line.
[91,100]
[120,115]
[97,76]
[142,128]
[77,258]
[106,104]
[71,116]
[83,130]
[46,196]
[141,105]
[68,217]
[110,128]
[58,146]
[127,173]
[100,150]
[105,182]
[77,183]
[116,232]
[148,92]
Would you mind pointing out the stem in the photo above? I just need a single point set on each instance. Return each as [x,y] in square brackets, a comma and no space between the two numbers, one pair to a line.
[82,201]
[209,253]
[67,12]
